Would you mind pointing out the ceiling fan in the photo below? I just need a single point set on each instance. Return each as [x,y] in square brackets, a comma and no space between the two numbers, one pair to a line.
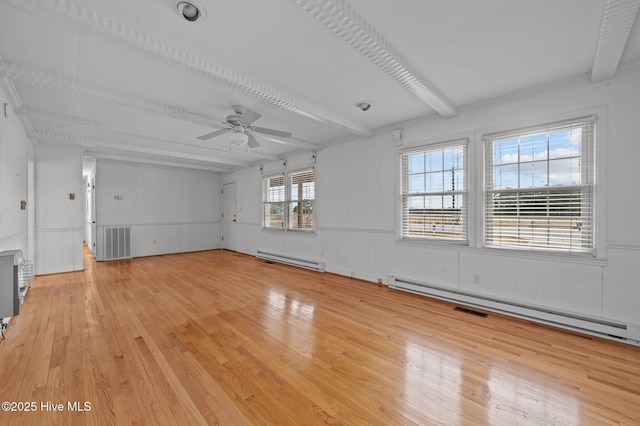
[239,124]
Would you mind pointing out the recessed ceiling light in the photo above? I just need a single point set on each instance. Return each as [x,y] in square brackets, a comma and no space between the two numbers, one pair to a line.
[189,10]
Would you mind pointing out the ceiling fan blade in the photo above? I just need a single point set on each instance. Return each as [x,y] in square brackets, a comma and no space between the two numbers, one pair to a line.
[253,142]
[249,117]
[276,133]
[213,134]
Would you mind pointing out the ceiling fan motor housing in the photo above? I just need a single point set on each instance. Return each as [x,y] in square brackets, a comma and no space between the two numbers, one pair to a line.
[239,109]
[240,124]
[233,119]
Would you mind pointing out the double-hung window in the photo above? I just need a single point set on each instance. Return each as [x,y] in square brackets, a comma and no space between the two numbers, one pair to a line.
[289,201]
[273,195]
[434,193]
[300,199]
[539,188]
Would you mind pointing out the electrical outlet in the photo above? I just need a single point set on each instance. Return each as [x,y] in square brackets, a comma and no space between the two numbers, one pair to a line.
[379,280]
[476,278]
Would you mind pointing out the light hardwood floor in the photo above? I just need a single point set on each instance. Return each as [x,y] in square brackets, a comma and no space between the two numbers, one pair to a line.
[219,337]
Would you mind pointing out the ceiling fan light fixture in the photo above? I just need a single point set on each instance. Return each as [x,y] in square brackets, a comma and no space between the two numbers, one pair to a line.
[239,138]
[189,10]
[241,129]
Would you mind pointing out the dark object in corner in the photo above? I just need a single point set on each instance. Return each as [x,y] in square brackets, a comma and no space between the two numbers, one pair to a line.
[470,311]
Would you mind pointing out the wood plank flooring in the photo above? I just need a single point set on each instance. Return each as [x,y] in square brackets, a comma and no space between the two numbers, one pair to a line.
[218,337]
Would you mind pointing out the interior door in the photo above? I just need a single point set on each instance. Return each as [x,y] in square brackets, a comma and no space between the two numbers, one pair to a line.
[229,217]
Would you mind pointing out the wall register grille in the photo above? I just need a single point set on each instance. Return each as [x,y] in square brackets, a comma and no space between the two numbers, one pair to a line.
[117,243]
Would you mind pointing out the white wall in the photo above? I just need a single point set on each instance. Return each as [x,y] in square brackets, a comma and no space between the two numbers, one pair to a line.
[169,209]
[357,208]
[59,219]
[15,153]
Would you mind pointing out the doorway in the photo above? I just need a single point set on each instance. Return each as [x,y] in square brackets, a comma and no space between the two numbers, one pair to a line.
[229,217]
[89,179]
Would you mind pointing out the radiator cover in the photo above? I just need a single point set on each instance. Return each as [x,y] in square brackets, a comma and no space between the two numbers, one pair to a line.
[584,324]
[289,260]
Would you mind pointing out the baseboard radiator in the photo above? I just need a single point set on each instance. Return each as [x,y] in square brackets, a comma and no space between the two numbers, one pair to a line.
[294,261]
[117,243]
[565,320]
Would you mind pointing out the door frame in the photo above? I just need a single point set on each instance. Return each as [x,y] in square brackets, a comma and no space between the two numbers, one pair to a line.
[228,225]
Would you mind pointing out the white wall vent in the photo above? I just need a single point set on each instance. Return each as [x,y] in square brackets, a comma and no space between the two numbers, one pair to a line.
[295,261]
[584,324]
[117,243]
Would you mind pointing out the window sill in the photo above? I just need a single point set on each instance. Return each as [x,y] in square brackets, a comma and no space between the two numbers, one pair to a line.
[297,231]
[302,231]
[463,247]
[436,242]
[549,256]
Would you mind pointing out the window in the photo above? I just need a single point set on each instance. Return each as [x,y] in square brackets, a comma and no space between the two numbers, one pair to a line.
[274,202]
[301,193]
[434,193]
[539,188]
[289,201]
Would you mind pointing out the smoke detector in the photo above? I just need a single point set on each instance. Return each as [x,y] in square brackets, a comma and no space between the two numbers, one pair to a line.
[189,10]
[365,105]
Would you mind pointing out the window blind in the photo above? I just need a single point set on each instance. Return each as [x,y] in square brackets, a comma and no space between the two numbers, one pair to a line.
[434,193]
[539,188]
[273,191]
[300,200]
[289,201]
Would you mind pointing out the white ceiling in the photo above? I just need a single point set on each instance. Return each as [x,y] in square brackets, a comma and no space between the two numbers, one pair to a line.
[134,80]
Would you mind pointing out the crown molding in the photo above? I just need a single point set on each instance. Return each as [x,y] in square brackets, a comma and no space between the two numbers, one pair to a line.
[196,65]
[128,131]
[9,89]
[345,22]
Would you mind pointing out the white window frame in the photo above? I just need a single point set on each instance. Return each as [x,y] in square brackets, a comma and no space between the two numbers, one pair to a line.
[590,184]
[438,235]
[289,200]
[267,202]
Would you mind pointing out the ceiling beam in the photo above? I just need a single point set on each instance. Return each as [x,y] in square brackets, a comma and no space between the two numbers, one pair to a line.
[67,119]
[615,26]
[61,84]
[36,77]
[95,143]
[196,65]
[130,159]
[291,141]
[345,22]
